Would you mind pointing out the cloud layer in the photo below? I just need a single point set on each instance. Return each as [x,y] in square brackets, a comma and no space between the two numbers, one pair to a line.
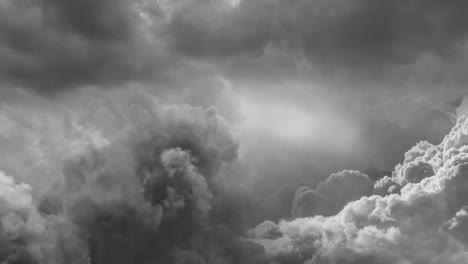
[405,46]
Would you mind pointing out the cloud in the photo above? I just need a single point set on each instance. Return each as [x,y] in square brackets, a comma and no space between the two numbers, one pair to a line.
[27,236]
[345,186]
[51,48]
[462,109]
[394,228]
[147,180]
[337,30]
[419,117]
[331,195]
[308,202]
[59,45]
[340,31]
[458,224]
[318,137]
[216,29]
[410,47]
[180,124]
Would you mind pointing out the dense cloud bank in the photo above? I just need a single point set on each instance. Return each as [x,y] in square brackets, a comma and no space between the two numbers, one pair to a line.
[421,222]
[145,189]
[50,46]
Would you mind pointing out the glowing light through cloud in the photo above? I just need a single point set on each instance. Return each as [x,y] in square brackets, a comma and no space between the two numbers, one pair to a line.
[292,123]
[282,121]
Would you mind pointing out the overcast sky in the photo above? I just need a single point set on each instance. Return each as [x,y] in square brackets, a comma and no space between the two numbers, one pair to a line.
[233,131]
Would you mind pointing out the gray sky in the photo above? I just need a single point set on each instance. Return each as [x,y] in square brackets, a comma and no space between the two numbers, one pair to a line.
[171,130]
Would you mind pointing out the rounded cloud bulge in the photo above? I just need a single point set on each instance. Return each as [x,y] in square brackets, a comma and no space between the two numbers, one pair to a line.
[418,224]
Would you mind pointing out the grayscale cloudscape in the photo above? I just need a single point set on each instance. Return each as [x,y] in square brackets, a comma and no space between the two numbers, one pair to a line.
[233,131]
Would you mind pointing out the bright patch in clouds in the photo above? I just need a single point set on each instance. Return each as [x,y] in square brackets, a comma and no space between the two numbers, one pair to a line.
[294,123]
[282,121]
[234,3]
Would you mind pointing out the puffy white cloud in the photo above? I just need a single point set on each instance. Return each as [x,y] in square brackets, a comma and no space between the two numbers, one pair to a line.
[409,227]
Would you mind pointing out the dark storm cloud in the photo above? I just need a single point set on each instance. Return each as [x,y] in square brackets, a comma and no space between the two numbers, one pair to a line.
[94,20]
[116,176]
[51,45]
[206,28]
[368,33]
[145,191]
[339,31]
[56,45]
[363,39]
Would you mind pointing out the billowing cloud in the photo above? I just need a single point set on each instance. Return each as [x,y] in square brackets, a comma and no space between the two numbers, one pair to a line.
[308,202]
[27,236]
[143,190]
[415,226]
[331,195]
[458,225]
[345,186]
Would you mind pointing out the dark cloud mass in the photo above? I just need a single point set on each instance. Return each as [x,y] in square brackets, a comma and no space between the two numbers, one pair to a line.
[145,195]
[233,132]
[53,45]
